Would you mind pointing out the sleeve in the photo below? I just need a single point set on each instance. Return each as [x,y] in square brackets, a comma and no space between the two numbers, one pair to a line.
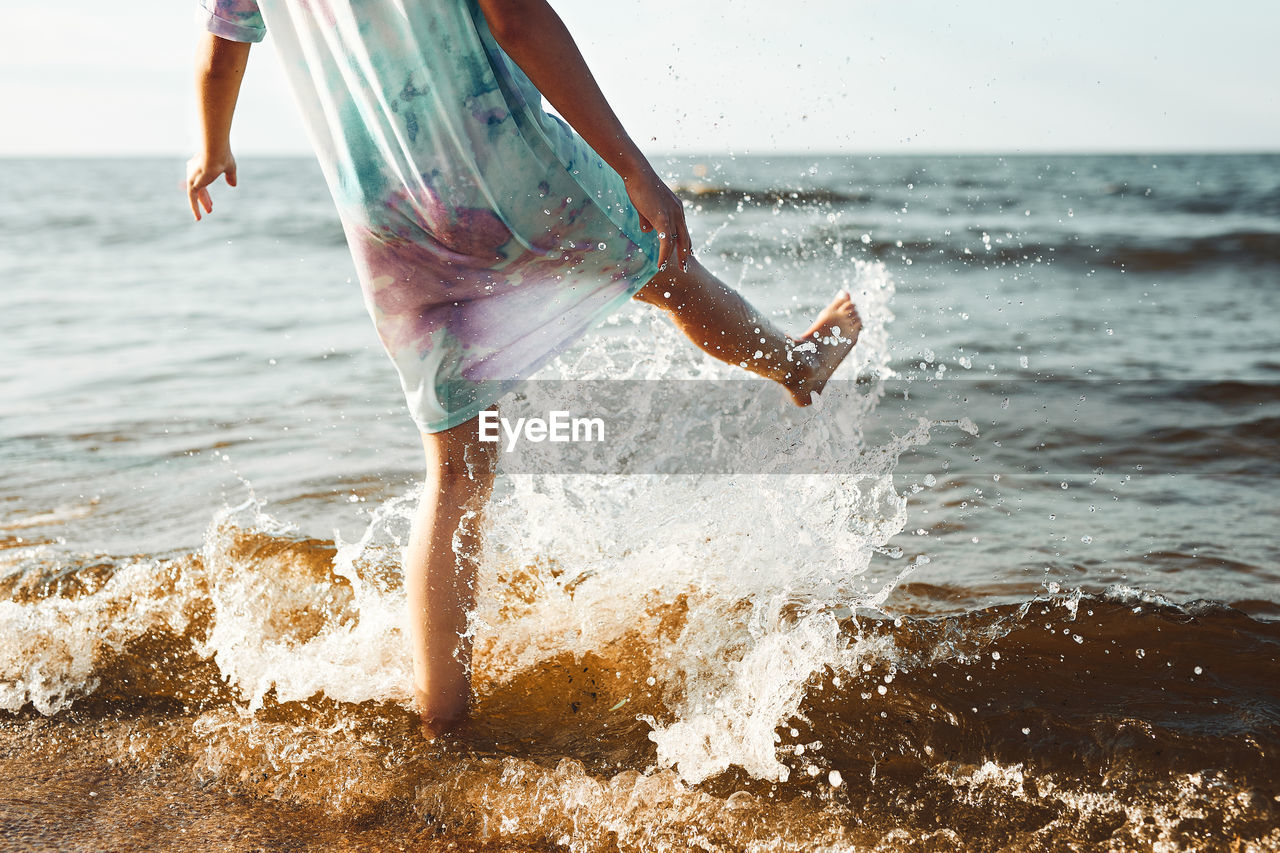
[235,20]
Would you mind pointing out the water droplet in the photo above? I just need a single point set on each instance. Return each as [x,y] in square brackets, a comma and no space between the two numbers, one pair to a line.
[866,239]
[881,689]
[1086,539]
[1142,653]
[835,778]
[1199,671]
[602,246]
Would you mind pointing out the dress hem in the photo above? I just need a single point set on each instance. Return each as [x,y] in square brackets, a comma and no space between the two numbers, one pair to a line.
[505,387]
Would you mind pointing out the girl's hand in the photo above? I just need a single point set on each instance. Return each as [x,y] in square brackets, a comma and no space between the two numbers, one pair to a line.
[203,170]
[659,208]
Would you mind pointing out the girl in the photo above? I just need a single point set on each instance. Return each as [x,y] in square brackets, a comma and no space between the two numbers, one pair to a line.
[488,236]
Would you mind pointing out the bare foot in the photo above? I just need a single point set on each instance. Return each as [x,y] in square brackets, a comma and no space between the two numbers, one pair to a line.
[821,349]
[433,728]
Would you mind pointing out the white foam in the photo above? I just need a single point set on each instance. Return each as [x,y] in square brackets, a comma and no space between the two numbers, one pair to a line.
[767,563]
[357,652]
[49,647]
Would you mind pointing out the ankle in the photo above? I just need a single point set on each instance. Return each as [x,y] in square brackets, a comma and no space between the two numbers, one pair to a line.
[802,362]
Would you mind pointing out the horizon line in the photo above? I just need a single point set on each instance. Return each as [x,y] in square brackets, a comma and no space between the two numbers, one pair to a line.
[744,152]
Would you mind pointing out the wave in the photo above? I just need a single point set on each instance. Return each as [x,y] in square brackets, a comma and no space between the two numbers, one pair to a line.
[1063,250]
[1133,253]
[714,197]
[1078,685]
[1229,203]
[271,667]
[254,604]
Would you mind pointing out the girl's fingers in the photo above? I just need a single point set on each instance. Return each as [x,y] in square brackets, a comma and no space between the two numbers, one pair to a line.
[664,246]
[683,245]
[199,197]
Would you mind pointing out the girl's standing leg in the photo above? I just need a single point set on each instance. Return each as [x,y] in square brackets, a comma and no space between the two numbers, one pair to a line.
[440,570]
[724,325]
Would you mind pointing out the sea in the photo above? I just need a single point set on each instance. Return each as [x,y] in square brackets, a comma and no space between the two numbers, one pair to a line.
[1013,584]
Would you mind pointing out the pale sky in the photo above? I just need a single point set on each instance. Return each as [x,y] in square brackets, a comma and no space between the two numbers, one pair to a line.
[749,76]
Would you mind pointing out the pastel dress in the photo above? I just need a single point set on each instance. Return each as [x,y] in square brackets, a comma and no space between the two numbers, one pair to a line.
[487,235]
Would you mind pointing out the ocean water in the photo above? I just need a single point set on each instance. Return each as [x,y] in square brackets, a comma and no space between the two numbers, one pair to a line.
[1014,586]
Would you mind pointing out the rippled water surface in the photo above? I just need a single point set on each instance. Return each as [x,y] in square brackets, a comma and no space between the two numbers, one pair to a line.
[1014,586]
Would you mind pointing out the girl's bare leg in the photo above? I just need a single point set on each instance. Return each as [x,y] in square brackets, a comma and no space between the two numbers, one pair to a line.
[724,325]
[440,571]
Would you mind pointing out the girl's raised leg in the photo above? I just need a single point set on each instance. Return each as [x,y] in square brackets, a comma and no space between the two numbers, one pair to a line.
[724,325]
[440,570]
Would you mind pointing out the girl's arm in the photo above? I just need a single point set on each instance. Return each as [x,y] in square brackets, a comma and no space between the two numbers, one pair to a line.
[220,67]
[533,35]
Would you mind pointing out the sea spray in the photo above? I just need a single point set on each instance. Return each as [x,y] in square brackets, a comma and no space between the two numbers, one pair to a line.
[762,562]
[299,618]
[52,645]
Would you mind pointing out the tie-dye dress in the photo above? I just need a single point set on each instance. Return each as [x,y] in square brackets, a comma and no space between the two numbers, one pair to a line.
[487,235]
